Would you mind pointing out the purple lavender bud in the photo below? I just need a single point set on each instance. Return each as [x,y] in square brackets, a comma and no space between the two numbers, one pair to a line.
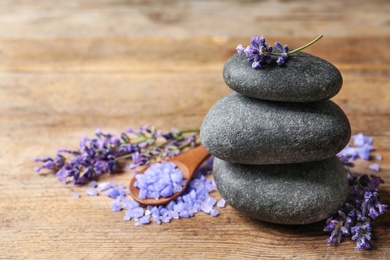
[286,49]
[381,207]
[280,61]
[279,46]
[144,128]
[240,49]
[256,65]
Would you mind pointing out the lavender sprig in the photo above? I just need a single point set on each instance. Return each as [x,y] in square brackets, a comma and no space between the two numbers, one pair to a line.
[355,219]
[260,53]
[104,153]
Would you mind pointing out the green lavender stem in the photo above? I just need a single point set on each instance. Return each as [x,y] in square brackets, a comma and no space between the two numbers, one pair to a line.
[306,45]
[300,48]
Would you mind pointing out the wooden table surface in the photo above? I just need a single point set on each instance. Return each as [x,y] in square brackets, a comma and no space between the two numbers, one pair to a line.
[69,67]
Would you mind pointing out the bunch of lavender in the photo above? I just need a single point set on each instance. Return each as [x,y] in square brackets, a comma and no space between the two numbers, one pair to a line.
[354,219]
[104,153]
[259,52]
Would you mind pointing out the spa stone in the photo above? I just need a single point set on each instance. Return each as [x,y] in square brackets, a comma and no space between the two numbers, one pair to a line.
[303,78]
[300,193]
[245,130]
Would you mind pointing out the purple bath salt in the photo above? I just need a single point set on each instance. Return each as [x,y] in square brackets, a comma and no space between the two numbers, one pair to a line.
[221,203]
[214,212]
[91,192]
[374,167]
[195,198]
[116,206]
[75,195]
[160,180]
[208,204]
[104,186]
[112,193]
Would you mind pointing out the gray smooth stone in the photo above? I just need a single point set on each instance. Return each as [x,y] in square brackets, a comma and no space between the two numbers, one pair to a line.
[300,193]
[303,78]
[245,130]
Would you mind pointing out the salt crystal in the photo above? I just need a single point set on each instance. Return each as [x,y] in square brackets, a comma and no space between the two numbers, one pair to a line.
[116,206]
[184,214]
[221,203]
[135,213]
[214,213]
[103,186]
[378,157]
[170,205]
[131,204]
[208,204]
[374,167]
[206,207]
[93,184]
[112,193]
[360,139]
[75,195]
[91,192]
[166,217]
[364,151]
[174,214]
[145,220]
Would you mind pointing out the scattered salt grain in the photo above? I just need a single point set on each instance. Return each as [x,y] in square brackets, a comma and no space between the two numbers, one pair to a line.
[135,213]
[208,204]
[130,204]
[93,184]
[145,220]
[214,213]
[112,193]
[378,157]
[104,186]
[75,195]
[116,206]
[91,192]
[374,167]
[194,199]
[221,203]
[360,139]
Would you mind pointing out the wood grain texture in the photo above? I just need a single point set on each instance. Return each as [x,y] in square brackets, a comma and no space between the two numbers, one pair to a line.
[69,67]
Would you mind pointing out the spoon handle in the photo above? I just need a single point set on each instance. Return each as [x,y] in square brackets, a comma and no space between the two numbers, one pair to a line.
[193,158]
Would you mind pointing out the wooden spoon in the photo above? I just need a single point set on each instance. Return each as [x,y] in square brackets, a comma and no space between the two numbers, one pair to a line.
[187,162]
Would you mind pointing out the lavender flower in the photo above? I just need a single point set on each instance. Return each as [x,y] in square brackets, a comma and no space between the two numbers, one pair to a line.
[355,219]
[285,52]
[103,154]
[362,233]
[260,53]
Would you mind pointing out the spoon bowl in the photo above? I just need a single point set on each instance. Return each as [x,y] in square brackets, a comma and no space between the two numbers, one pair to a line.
[187,162]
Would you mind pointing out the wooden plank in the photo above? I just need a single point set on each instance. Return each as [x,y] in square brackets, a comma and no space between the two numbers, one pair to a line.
[69,67]
[162,54]
[192,18]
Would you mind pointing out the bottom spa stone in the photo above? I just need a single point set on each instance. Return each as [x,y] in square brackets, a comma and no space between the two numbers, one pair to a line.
[300,193]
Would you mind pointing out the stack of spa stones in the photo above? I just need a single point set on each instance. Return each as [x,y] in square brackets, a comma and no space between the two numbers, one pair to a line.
[275,139]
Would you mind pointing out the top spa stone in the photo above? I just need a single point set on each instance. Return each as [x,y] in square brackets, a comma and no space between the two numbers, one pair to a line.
[303,78]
